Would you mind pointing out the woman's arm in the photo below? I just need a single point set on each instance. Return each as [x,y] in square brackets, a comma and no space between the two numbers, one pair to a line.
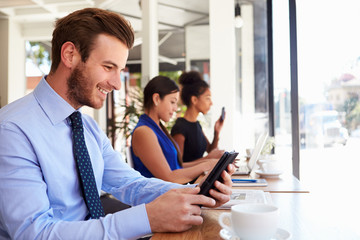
[180,140]
[217,128]
[146,146]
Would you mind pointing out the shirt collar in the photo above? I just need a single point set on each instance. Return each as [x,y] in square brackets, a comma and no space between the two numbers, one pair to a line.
[54,106]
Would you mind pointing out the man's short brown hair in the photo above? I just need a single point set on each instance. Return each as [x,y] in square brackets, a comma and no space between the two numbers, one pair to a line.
[83,26]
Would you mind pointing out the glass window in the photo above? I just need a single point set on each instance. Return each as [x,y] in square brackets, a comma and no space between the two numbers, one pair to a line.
[329,85]
[251,75]
[329,90]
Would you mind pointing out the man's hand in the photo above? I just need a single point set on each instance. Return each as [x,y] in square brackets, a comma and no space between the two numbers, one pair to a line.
[223,189]
[177,210]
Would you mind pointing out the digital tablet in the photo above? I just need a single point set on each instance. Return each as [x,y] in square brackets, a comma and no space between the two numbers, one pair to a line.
[226,159]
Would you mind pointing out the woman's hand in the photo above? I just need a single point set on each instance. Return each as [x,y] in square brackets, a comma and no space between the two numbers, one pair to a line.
[215,153]
[218,125]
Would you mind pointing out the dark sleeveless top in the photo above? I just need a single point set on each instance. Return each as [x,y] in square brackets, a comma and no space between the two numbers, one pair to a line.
[195,142]
[166,145]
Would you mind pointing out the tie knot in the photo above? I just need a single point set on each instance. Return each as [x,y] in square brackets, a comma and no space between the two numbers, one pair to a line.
[76,121]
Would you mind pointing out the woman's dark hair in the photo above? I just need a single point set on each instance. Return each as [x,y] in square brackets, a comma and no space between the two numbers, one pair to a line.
[192,85]
[161,85]
[83,26]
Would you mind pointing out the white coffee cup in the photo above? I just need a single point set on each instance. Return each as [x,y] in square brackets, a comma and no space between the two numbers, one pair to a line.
[251,221]
[269,166]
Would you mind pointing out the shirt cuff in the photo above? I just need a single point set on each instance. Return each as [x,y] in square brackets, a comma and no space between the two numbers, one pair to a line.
[134,222]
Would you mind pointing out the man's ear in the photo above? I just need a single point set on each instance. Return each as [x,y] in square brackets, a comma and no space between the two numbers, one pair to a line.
[156,99]
[69,55]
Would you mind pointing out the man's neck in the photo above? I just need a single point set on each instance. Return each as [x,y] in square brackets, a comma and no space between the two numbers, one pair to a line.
[58,82]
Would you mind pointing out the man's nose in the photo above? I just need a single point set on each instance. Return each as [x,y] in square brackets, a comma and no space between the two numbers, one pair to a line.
[115,81]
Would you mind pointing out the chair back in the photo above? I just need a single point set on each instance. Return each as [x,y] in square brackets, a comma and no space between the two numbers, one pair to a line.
[129,159]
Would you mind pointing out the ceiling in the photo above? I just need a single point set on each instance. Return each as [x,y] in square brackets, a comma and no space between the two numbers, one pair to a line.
[37,19]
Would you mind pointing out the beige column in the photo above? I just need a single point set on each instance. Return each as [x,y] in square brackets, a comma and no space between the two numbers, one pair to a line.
[12,61]
[150,39]
[247,127]
[222,68]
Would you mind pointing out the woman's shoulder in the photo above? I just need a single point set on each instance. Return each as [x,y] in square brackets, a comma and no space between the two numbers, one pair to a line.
[182,126]
[146,121]
[180,123]
[183,121]
[143,134]
[143,129]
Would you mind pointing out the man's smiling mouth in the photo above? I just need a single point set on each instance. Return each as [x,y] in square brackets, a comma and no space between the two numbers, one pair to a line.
[103,90]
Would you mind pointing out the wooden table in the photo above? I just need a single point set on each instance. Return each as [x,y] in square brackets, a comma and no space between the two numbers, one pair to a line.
[285,183]
[299,215]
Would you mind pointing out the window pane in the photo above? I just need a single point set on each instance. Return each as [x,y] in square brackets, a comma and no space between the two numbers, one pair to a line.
[329,89]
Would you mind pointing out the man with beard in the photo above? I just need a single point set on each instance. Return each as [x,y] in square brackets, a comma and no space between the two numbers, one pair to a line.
[43,193]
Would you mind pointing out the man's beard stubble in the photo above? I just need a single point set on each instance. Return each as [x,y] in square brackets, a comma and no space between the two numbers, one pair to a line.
[79,91]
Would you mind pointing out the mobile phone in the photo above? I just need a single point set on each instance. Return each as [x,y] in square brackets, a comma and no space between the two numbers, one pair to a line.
[226,159]
[222,114]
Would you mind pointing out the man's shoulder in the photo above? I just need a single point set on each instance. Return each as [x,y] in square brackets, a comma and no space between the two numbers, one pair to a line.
[90,123]
[19,110]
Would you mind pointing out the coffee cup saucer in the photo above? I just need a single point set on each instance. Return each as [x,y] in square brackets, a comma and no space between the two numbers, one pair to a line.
[269,174]
[281,234]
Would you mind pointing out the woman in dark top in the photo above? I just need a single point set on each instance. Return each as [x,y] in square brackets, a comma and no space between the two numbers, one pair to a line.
[187,131]
[154,152]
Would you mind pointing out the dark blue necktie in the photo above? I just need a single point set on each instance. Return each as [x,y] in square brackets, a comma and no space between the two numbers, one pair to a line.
[85,169]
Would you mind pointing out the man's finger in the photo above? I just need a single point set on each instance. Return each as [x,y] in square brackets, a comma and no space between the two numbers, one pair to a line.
[200,199]
[188,190]
[220,197]
[231,169]
[195,220]
[222,188]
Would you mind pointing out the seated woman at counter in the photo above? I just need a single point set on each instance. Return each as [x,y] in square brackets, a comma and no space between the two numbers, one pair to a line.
[154,152]
[187,131]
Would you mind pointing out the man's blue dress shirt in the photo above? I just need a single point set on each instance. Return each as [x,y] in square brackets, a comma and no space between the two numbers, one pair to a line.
[40,195]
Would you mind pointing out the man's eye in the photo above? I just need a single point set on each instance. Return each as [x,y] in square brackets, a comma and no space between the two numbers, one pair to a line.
[108,67]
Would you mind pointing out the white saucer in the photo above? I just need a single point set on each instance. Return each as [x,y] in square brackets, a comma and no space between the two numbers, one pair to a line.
[281,234]
[274,173]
